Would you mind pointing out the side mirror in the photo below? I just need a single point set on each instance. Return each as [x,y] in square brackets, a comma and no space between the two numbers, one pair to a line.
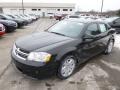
[88,36]
[112,31]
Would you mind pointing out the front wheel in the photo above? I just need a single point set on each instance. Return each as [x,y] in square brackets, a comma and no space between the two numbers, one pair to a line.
[109,47]
[67,67]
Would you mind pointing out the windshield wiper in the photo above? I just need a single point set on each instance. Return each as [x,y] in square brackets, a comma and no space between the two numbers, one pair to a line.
[58,33]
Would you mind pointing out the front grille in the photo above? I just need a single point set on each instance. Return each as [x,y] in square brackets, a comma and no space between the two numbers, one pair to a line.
[20,53]
[24,51]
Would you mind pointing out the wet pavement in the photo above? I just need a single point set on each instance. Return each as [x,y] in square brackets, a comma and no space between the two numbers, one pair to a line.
[101,72]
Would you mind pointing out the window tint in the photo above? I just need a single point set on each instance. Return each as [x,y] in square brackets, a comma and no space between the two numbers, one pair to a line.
[39,9]
[92,29]
[68,28]
[70,9]
[34,9]
[65,9]
[102,28]
[58,9]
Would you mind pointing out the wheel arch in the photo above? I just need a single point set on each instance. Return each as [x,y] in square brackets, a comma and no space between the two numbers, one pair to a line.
[67,51]
[112,38]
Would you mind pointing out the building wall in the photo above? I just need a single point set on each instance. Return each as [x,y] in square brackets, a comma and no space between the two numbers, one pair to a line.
[42,11]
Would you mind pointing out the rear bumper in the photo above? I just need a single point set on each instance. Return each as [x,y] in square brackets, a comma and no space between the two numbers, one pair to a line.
[2,33]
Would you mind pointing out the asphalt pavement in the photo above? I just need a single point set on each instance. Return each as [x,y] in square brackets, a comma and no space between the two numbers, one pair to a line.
[101,72]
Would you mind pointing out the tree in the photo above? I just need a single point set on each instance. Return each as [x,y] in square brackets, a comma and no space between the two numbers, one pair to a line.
[1,10]
[77,12]
[92,12]
[118,12]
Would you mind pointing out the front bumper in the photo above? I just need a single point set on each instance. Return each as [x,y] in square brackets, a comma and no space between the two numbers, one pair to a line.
[11,28]
[20,24]
[25,23]
[35,69]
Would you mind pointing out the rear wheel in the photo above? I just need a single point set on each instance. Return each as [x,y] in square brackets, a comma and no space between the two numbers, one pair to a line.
[6,29]
[109,47]
[67,67]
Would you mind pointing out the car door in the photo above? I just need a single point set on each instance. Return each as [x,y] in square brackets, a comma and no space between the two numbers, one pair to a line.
[104,35]
[90,45]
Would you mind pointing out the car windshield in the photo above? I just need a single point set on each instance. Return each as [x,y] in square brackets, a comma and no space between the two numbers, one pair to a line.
[8,17]
[67,28]
[18,16]
[11,16]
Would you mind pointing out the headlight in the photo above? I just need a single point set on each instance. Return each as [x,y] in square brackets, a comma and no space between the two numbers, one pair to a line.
[39,56]
[8,24]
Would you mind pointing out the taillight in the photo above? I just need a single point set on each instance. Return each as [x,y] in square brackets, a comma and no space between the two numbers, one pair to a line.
[1,28]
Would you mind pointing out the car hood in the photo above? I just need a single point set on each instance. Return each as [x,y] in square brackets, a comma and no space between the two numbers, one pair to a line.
[18,20]
[39,40]
[6,21]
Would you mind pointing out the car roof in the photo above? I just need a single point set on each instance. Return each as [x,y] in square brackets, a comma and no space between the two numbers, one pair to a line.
[111,19]
[82,20]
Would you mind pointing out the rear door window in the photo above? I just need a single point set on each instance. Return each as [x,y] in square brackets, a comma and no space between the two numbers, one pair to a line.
[93,29]
[102,28]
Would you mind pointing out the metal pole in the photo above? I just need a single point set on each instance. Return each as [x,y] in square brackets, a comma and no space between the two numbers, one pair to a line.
[102,6]
[22,6]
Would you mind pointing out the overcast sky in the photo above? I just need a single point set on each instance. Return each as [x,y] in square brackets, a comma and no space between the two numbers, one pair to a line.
[84,5]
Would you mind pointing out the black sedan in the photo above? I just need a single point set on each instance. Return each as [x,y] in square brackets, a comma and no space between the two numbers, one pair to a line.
[62,47]
[19,22]
[9,25]
[114,23]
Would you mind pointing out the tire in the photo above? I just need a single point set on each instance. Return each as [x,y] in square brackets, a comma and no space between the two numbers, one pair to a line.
[109,47]
[67,67]
[6,29]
